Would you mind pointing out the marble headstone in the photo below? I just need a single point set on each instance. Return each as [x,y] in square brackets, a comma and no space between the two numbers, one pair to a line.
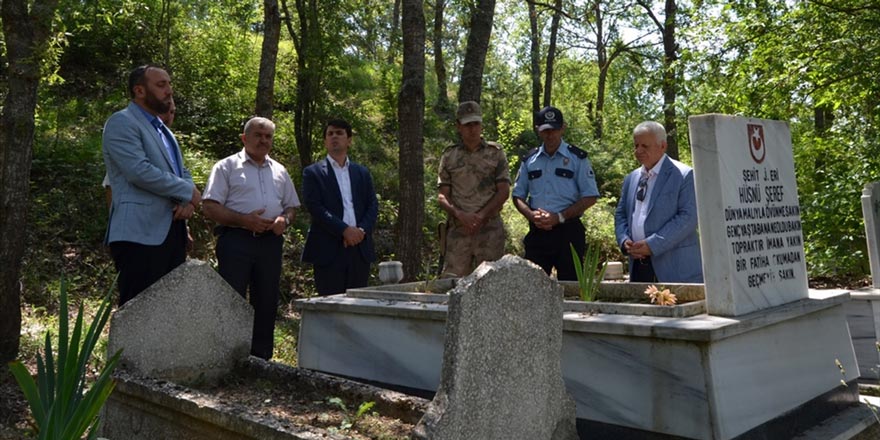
[871,212]
[188,326]
[749,216]
[502,376]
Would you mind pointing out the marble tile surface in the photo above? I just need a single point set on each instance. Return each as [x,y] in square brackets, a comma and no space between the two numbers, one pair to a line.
[760,375]
[863,316]
[400,351]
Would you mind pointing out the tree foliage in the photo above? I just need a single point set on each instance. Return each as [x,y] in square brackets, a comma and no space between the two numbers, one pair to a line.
[813,64]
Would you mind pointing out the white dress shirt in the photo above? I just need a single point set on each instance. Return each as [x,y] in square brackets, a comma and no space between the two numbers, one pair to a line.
[344,180]
[640,211]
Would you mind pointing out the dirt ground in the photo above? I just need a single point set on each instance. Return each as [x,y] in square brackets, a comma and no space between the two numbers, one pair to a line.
[14,414]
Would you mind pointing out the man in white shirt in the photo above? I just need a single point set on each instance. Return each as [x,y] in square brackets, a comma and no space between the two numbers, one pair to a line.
[340,197]
[253,201]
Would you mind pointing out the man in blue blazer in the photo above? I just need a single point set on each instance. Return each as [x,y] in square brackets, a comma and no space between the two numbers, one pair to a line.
[153,192]
[656,217]
[339,195]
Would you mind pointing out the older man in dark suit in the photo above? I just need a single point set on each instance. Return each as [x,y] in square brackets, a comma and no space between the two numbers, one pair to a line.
[339,195]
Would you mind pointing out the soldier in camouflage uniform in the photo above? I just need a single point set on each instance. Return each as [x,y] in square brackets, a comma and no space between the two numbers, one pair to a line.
[474,183]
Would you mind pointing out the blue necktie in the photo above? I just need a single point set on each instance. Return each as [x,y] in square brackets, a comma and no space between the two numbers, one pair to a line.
[642,188]
[169,147]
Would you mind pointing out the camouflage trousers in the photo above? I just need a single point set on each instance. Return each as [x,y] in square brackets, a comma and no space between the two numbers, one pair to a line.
[465,252]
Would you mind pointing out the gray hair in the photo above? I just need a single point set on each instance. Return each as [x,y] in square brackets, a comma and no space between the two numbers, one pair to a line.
[258,121]
[652,127]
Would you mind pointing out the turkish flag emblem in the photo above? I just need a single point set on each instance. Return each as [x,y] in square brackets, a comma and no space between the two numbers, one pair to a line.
[757,147]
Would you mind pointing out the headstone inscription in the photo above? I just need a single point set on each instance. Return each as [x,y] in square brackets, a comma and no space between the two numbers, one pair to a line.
[749,216]
[502,374]
[188,326]
[871,213]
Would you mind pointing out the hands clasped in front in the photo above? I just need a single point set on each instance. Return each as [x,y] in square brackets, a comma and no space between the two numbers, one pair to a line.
[185,211]
[352,236]
[472,222]
[544,220]
[638,250]
[258,225]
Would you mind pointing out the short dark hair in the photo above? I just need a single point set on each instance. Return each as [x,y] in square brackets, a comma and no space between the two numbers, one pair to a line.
[338,123]
[136,76]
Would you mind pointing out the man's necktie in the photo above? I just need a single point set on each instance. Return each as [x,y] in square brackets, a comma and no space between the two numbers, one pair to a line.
[642,188]
[169,145]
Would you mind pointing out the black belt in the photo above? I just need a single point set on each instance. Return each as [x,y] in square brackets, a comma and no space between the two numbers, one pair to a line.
[220,230]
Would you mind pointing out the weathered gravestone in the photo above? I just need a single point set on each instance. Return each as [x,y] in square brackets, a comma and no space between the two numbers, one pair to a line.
[502,375]
[188,326]
[749,217]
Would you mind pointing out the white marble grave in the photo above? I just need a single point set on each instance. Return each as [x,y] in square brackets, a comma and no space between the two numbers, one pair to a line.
[749,217]
[871,213]
[863,312]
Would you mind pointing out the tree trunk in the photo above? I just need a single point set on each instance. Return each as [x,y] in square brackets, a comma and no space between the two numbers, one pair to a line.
[535,57]
[669,80]
[308,44]
[411,112]
[266,81]
[25,34]
[166,25]
[441,108]
[823,118]
[667,32]
[475,54]
[551,53]
[603,64]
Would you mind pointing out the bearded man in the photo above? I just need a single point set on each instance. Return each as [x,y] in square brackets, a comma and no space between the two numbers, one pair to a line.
[153,192]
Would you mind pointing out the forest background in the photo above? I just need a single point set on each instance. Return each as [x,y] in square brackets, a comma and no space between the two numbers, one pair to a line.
[396,69]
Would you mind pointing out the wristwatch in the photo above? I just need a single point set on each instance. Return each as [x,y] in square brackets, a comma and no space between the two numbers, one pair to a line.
[286,220]
[561,217]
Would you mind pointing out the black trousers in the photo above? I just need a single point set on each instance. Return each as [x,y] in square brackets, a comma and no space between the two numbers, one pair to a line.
[550,249]
[248,261]
[141,265]
[642,271]
[348,270]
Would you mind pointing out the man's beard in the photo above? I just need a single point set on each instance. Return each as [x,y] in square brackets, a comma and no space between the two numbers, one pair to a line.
[155,104]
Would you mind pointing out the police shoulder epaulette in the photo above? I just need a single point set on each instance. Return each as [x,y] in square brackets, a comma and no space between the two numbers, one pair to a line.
[577,151]
[494,144]
[529,153]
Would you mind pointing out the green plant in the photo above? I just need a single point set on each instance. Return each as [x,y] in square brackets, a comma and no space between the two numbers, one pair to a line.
[350,420]
[588,276]
[60,405]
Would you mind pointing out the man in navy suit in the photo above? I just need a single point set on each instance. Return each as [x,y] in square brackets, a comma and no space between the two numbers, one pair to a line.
[153,192]
[339,195]
[656,217]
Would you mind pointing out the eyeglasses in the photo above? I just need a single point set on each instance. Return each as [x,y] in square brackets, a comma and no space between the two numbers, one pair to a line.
[642,188]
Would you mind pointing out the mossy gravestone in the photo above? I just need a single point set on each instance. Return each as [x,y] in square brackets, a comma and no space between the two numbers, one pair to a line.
[189,326]
[502,376]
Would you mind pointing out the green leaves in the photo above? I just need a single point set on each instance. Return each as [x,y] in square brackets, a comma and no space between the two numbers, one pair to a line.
[589,272]
[350,420]
[59,402]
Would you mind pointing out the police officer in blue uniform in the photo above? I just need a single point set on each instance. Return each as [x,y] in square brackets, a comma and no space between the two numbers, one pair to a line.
[554,187]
